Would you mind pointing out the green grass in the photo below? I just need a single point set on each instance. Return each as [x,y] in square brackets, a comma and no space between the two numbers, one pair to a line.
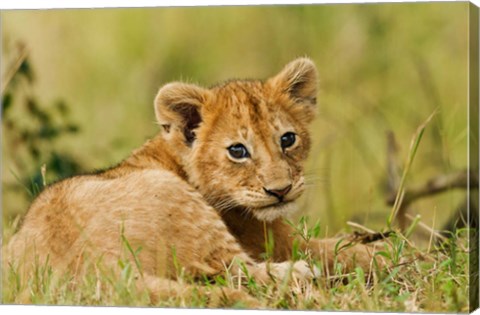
[416,280]
[415,142]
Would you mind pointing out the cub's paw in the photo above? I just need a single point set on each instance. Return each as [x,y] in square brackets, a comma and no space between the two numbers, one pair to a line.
[363,256]
[300,269]
[349,255]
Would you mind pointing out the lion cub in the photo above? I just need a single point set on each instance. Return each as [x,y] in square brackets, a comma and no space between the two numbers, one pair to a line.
[227,164]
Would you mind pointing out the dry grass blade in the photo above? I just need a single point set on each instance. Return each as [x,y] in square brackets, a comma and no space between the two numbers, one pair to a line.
[427,228]
[417,137]
[361,227]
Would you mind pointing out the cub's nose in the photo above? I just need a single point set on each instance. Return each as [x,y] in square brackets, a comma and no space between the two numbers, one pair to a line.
[279,193]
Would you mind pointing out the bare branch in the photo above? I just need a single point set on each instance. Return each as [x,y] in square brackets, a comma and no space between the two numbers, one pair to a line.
[458,180]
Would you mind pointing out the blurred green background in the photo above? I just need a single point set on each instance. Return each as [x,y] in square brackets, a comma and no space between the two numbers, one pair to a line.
[383,67]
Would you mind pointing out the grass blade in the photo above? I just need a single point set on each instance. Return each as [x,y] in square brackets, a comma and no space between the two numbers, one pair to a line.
[417,137]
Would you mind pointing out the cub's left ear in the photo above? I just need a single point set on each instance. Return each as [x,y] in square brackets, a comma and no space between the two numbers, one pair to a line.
[299,79]
[178,108]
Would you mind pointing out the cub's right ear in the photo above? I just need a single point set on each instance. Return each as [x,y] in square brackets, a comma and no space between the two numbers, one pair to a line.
[299,80]
[178,108]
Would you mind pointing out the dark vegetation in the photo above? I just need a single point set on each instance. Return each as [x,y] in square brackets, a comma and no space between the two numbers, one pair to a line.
[32,129]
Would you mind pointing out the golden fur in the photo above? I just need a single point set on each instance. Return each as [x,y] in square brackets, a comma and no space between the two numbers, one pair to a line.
[182,194]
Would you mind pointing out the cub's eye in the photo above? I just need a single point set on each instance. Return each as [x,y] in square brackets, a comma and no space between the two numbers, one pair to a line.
[238,151]
[287,140]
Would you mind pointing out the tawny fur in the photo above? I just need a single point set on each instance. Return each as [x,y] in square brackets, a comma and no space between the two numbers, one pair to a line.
[182,198]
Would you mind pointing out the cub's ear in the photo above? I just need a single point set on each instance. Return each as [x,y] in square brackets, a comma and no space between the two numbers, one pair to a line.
[299,79]
[178,108]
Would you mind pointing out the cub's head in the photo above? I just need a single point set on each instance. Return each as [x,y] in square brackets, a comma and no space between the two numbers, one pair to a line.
[243,143]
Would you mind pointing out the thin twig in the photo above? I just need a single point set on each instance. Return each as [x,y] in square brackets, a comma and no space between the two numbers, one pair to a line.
[393,169]
[14,68]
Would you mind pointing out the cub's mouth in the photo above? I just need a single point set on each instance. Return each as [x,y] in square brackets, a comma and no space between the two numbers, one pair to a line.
[275,211]
[277,204]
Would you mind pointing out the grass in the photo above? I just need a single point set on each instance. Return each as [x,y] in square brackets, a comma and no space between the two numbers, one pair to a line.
[416,280]
[415,142]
